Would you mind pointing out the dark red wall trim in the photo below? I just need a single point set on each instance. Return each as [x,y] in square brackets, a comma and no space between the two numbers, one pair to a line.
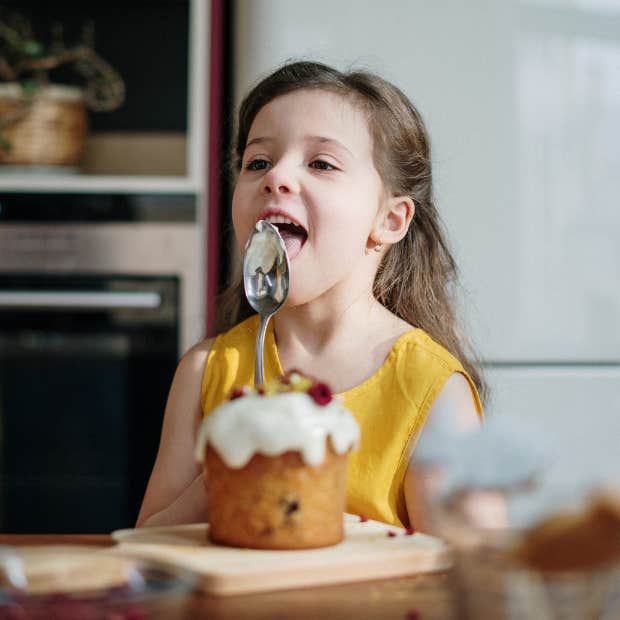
[214,161]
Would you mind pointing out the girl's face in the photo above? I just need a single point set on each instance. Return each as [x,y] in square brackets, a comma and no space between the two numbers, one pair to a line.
[308,168]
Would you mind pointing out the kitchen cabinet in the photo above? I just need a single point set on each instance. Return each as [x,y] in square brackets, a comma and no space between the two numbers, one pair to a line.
[145,162]
[106,276]
[156,141]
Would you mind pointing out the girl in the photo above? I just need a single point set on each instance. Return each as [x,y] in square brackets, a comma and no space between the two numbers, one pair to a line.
[340,163]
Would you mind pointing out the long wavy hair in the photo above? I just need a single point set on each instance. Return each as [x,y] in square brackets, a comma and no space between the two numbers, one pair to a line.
[417,278]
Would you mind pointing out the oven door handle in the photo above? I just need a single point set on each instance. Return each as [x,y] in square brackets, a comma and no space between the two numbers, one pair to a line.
[79,300]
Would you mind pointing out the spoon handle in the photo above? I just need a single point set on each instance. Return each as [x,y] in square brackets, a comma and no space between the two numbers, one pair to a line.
[259,372]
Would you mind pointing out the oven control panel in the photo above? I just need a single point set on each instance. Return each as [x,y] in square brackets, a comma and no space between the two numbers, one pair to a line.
[38,247]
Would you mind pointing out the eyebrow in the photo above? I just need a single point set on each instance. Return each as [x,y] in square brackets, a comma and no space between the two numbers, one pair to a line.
[258,141]
[333,141]
[320,139]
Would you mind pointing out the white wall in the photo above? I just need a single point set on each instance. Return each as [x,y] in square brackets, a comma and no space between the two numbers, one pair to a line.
[522,100]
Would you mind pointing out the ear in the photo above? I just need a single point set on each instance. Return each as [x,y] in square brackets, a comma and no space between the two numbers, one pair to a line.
[393,220]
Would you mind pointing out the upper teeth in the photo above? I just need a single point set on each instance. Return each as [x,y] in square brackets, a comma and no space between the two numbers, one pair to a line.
[280,219]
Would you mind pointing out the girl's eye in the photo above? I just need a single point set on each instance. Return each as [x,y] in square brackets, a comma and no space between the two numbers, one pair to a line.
[257,164]
[320,164]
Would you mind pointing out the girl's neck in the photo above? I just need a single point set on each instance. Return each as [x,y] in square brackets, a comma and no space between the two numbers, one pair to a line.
[343,345]
[321,325]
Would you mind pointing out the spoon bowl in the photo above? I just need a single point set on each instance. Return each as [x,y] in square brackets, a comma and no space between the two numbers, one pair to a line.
[266,280]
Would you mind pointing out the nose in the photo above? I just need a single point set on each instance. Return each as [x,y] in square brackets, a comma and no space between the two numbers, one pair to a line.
[279,180]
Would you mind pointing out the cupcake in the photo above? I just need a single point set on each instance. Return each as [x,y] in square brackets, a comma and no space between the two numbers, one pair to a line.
[275,465]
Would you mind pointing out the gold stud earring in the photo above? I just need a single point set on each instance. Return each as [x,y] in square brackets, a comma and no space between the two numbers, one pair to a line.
[378,247]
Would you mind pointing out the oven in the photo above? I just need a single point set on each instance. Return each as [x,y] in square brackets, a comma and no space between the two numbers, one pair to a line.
[94,315]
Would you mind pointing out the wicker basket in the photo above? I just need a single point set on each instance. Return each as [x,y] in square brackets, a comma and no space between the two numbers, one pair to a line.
[50,131]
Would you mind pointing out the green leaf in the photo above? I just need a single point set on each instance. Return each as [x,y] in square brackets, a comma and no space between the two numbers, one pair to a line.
[5,145]
[30,87]
[32,48]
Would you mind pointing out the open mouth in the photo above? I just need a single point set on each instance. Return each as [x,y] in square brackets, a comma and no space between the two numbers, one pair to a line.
[294,235]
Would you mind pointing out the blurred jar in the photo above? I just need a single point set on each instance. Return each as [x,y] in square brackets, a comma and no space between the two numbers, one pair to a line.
[565,568]
[527,544]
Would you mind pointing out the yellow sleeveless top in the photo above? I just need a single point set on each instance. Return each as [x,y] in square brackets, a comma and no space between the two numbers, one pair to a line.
[390,407]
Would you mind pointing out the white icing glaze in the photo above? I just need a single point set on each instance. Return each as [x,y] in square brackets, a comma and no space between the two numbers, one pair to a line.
[272,425]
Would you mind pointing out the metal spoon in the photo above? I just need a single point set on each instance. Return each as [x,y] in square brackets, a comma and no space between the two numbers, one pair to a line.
[266,270]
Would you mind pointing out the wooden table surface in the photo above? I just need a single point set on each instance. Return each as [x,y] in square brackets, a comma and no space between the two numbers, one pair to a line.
[425,597]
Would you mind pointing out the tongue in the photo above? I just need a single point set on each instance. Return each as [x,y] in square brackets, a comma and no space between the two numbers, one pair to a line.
[292,242]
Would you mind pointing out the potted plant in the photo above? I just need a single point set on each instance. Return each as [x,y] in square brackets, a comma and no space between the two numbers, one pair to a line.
[42,122]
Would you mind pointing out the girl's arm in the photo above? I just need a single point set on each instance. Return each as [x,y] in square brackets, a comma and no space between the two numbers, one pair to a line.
[175,493]
[453,414]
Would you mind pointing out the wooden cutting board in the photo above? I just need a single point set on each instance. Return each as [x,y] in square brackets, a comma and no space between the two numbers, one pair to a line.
[366,553]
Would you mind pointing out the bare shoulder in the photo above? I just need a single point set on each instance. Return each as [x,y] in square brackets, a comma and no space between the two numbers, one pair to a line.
[457,386]
[200,350]
[455,407]
[452,415]
[194,359]
[185,390]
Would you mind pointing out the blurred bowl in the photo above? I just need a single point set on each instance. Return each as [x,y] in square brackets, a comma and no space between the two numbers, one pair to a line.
[88,583]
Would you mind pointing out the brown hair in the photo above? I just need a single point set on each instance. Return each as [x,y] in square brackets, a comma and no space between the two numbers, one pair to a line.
[417,276]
